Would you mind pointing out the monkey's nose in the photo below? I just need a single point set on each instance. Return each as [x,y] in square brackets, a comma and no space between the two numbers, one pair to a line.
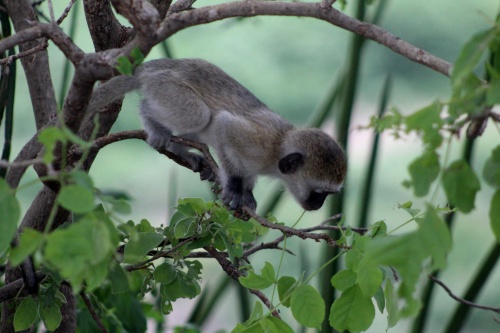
[314,201]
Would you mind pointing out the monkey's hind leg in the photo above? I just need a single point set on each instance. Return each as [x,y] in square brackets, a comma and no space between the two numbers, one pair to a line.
[160,136]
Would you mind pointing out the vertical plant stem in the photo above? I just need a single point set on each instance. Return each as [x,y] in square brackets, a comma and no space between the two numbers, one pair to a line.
[343,123]
[7,91]
[366,193]
[67,65]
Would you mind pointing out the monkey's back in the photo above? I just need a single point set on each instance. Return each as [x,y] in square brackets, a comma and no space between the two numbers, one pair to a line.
[217,89]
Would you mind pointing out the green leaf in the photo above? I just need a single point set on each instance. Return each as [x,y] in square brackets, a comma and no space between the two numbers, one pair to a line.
[124,66]
[493,93]
[391,304]
[181,287]
[286,285]
[355,254]
[198,205]
[343,279]
[380,299]
[185,227]
[352,311]
[394,251]
[435,237]
[144,226]
[121,206]
[491,170]
[10,213]
[118,278]
[461,185]
[252,328]
[26,314]
[308,307]
[495,215]
[165,273]
[83,250]
[259,282]
[369,280]
[428,122]
[29,241]
[51,315]
[49,138]
[407,207]
[140,244]
[75,138]
[424,171]
[278,325]
[257,312]
[137,55]
[83,179]
[76,198]
[471,55]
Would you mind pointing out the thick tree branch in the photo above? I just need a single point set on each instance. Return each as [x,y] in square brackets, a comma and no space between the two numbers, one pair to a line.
[36,66]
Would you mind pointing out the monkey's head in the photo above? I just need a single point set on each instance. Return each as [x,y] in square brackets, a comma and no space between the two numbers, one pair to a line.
[312,166]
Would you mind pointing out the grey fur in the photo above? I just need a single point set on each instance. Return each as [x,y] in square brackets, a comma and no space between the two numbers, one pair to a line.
[194,99]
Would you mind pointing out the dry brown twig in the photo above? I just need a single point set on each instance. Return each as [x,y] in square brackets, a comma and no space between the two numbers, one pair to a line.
[461,300]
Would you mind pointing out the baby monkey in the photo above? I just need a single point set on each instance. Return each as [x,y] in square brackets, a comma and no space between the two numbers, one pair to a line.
[196,100]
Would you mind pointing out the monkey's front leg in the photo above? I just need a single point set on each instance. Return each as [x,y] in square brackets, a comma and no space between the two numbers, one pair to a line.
[236,194]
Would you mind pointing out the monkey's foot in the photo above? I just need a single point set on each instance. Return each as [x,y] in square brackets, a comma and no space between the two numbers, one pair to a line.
[235,200]
[206,172]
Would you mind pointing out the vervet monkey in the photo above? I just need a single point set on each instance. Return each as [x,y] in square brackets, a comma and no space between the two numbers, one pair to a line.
[196,100]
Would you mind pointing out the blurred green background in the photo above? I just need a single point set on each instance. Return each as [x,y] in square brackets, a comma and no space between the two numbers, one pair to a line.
[290,64]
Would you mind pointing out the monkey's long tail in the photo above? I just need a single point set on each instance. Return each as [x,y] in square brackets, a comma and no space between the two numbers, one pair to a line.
[112,90]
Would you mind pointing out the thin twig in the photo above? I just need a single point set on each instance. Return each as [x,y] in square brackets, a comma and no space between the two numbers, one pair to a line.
[291,231]
[40,47]
[461,300]
[179,6]
[160,254]
[20,164]
[94,315]
[66,12]
[233,272]
[51,11]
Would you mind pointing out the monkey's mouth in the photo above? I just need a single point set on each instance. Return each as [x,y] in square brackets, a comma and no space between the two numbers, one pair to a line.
[314,201]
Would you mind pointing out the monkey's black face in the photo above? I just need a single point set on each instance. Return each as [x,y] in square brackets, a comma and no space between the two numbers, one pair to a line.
[315,200]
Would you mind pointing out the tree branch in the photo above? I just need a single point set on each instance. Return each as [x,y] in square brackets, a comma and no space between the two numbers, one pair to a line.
[233,272]
[94,315]
[180,21]
[461,300]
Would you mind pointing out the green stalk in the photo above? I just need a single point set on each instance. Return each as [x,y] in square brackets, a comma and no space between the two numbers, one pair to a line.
[366,193]
[343,123]
[8,88]
[67,68]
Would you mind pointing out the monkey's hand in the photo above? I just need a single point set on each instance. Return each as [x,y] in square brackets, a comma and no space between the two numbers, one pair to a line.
[234,195]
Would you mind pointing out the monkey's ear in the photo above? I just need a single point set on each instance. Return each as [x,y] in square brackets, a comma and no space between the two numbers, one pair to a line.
[291,163]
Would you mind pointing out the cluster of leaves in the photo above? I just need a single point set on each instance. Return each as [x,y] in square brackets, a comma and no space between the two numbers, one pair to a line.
[120,262]
[377,261]
[470,105]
